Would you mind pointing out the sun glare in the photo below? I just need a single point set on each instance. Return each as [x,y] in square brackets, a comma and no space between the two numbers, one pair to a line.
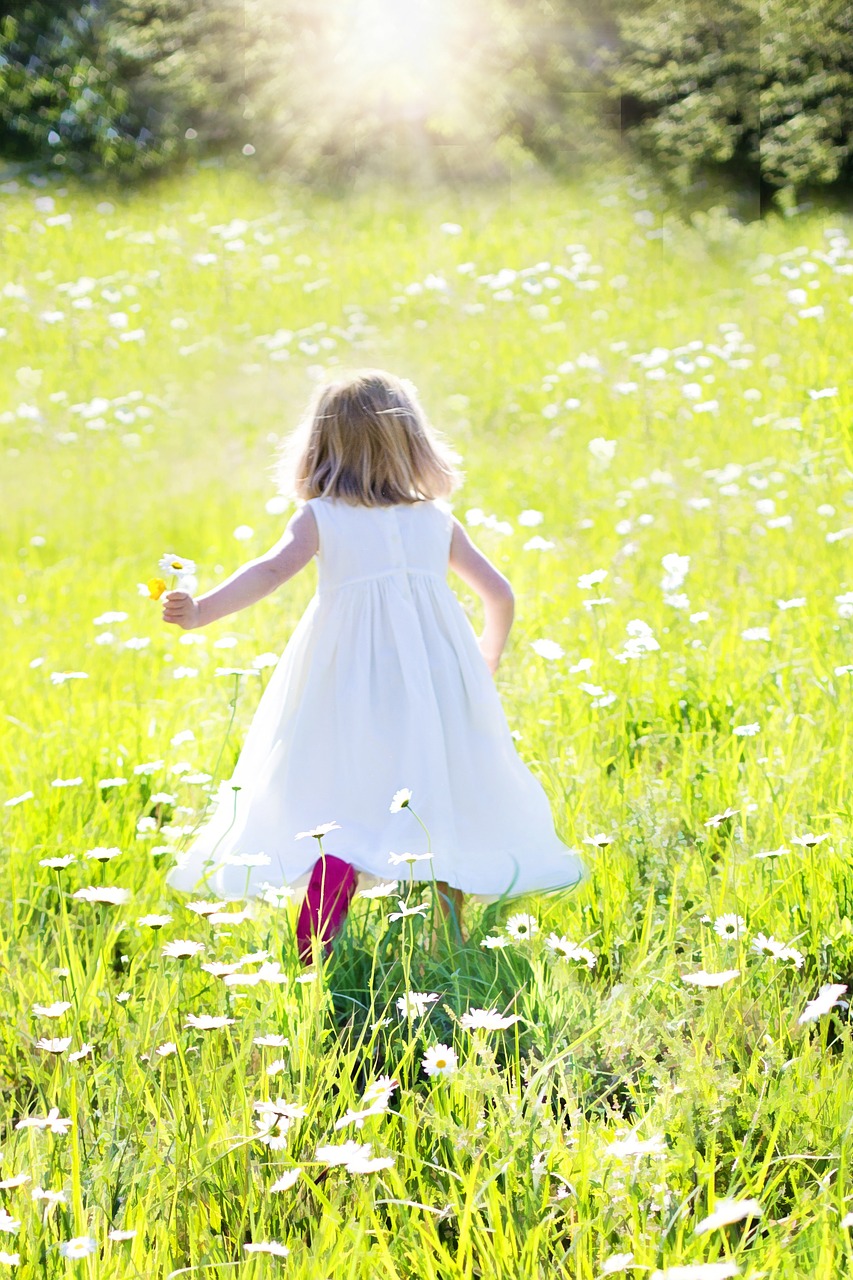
[395,54]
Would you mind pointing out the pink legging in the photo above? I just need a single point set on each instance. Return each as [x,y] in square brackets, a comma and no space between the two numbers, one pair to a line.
[326,903]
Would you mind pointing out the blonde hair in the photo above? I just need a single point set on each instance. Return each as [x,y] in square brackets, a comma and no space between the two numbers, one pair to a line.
[365,438]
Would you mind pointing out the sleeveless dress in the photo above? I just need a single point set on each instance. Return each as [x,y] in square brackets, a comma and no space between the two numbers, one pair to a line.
[381,687]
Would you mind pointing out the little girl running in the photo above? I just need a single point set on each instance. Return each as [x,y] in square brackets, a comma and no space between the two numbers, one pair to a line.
[383,693]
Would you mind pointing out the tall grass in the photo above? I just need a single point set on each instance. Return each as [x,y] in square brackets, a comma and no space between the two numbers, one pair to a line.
[654,385]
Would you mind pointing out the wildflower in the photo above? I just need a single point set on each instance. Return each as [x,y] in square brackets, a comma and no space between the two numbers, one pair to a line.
[101,853]
[273,1042]
[530,517]
[102,893]
[286,1181]
[598,841]
[616,1262]
[561,948]
[401,800]
[205,907]
[67,782]
[11,1259]
[207,1022]
[703,979]
[548,649]
[83,1052]
[58,863]
[634,1146]
[52,1197]
[796,957]
[166,1049]
[764,946]
[170,563]
[154,921]
[420,910]
[382,890]
[153,588]
[396,858]
[17,1180]
[7,1222]
[727,1211]
[54,1010]
[117,1234]
[376,1108]
[496,940]
[771,853]
[381,1088]
[823,1002]
[268,1246]
[414,1004]
[229,917]
[52,1121]
[342,1154]
[746,730]
[521,926]
[487,1020]
[57,1045]
[276,1068]
[729,926]
[59,677]
[29,795]
[276,896]
[78,1247]
[808,840]
[181,948]
[112,782]
[439,1060]
[587,580]
[755,633]
[369,1164]
[719,818]
[319,832]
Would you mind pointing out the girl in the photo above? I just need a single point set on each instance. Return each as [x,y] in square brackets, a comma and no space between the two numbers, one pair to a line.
[382,690]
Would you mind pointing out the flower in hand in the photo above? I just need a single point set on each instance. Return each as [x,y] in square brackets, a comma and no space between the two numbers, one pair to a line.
[181,609]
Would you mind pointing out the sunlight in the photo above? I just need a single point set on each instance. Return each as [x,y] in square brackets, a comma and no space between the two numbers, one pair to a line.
[395,55]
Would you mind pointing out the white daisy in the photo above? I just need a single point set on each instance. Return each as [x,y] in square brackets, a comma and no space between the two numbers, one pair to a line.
[78,1247]
[729,926]
[382,890]
[400,800]
[828,995]
[727,1211]
[414,1004]
[702,979]
[287,1180]
[807,840]
[205,907]
[420,910]
[171,563]
[319,832]
[103,893]
[496,940]
[439,1060]
[487,1020]
[719,818]
[154,921]
[268,1246]
[56,1045]
[180,948]
[207,1022]
[396,858]
[58,863]
[521,926]
[54,1010]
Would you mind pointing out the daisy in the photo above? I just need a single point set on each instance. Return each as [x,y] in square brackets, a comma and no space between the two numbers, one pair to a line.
[287,1180]
[487,1020]
[52,1121]
[396,858]
[11,1259]
[521,926]
[729,926]
[823,1002]
[727,1211]
[205,907]
[117,1234]
[52,1197]
[746,730]
[400,800]
[369,1164]
[7,1222]
[319,832]
[57,1045]
[335,1155]
[420,910]
[382,890]
[496,940]
[17,1180]
[719,818]
[771,853]
[208,1022]
[101,853]
[229,917]
[275,1068]
[358,1117]
[561,947]
[548,649]
[154,921]
[598,841]
[807,840]
[78,1247]
[268,1246]
[273,1041]
[58,863]
[439,1060]
[103,893]
[166,1049]
[634,1146]
[764,946]
[171,563]
[703,979]
[414,1004]
[54,1010]
[181,948]
[796,957]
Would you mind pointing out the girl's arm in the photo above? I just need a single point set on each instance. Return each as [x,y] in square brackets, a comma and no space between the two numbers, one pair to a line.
[253,581]
[493,589]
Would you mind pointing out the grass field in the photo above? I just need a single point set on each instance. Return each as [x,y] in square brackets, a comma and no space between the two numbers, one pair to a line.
[669,396]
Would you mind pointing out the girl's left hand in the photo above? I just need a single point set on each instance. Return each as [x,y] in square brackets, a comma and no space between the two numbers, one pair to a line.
[180,609]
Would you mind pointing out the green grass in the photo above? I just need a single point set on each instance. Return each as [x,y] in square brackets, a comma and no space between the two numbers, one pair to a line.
[116,451]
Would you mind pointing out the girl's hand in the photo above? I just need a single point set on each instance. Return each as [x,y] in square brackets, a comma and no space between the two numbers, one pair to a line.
[490,659]
[180,609]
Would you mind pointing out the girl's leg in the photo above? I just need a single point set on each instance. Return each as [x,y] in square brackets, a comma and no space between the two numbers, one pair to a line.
[451,902]
[325,905]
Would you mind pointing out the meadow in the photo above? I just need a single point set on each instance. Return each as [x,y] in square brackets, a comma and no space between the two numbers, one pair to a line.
[655,425]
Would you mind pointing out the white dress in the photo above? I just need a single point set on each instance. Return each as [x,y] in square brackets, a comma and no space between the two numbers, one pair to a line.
[381,687]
